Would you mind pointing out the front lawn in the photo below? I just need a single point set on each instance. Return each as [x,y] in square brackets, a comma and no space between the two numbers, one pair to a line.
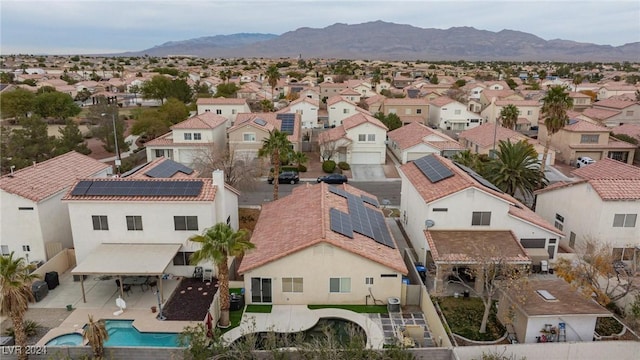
[363,309]
[464,316]
[264,309]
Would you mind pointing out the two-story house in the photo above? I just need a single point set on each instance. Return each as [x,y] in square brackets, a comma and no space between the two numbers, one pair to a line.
[359,140]
[415,140]
[448,114]
[197,137]
[247,135]
[627,111]
[339,109]
[615,89]
[330,89]
[408,110]
[34,222]
[528,112]
[580,101]
[308,110]
[229,108]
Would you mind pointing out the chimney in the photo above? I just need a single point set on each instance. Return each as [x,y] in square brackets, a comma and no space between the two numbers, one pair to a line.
[220,206]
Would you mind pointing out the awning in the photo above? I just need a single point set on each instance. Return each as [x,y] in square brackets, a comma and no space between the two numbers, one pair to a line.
[128,259]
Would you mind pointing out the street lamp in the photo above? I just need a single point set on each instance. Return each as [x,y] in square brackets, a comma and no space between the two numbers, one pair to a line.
[115,141]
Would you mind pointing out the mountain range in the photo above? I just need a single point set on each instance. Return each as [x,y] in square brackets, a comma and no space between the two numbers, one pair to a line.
[381,40]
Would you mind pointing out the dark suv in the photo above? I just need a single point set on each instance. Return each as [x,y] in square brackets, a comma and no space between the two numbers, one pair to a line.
[286,177]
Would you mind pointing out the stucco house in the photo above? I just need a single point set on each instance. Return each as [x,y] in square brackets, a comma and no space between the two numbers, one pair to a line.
[229,108]
[351,95]
[338,109]
[626,111]
[448,114]
[329,260]
[149,213]
[580,101]
[549,311]
[359,140]
[607,210]
[438,194]
[330,89]
[582,138]
[197,137]
[308,110]
[408,110]
[250,129]
[34,222]
[529,112]
[415,140]
[614,89]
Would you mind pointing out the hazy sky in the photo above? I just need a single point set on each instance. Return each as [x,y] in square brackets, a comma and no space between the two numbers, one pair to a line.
[99,26]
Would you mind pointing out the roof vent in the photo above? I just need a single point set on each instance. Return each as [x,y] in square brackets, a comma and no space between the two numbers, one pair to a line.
[546,295]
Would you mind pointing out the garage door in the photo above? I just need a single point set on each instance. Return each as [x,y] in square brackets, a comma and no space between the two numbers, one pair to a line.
[365,158]
[411,156]
[595,155]
[548,162]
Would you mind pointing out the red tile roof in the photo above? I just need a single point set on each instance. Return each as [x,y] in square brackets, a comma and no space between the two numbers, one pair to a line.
[441,101]
[272,122]
[221,101]
[578,125]
[361,118]
[208,120]
[49,177]
[301,220]
[207,193]
[632,130]
[599,114]
[612,180]
[405,102]
[483,135]
[614,103]
[415,133]
[141,172]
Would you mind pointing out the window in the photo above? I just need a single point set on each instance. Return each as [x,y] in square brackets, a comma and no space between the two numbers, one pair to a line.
[572,240]
[368,281]
[249,137]
[100,222]
[440,209]
[345,111]
[529,112]
[371,137]
[340,285]
[629,113]
[292,284]
[233,111]
[418,111]
[197,136]
[159,153]
[26,248]
[182,258]
[185,222]
[5,249]
[362,137]
[481,218]
[218,112]
[624,220]
[589,138]
[559,223]
[134,223]
[187,136]
[25,208]
[457,112]
[388,275]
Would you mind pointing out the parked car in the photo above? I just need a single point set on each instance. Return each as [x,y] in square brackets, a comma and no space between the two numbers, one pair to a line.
[583,161]
[333,179]
[286,177]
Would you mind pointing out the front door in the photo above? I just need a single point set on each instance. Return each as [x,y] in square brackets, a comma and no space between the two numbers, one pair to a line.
[260,290]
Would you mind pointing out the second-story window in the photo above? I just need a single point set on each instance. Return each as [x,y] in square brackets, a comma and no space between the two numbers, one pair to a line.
[187,136]
[589,138]
[100,222]
[197,136]
[218,111]
[185,222]
[249,137]
[134,223]
[481,218]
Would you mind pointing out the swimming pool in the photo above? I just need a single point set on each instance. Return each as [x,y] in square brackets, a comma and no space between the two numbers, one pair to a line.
[73,339]
[122,333]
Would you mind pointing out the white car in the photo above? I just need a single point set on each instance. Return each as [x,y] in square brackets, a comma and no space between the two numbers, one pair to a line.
[584,161]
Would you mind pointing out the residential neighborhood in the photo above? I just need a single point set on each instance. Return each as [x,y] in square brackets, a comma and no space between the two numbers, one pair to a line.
[509,192]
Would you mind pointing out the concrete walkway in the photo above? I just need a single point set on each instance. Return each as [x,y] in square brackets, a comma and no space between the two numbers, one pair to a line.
[295,318]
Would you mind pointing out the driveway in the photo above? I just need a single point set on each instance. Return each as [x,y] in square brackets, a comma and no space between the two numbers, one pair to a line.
[367,173]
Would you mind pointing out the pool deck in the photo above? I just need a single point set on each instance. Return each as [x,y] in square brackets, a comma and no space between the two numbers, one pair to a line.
[295,318]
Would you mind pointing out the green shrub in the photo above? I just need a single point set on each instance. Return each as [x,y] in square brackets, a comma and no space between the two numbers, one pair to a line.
[30,328]
[343,165]
[328,166]
[607,326]
[302,168]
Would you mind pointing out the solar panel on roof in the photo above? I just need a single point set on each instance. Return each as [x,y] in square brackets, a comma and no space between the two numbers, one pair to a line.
[81,188]
[484,182]
[340,222]
[288,122]
[433,169]
[167,169]
[138,188]
[260,122]
[370,200]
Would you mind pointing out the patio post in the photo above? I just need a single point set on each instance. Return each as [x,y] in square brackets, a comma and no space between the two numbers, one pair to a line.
[121,286]
[84,297]
[161,288]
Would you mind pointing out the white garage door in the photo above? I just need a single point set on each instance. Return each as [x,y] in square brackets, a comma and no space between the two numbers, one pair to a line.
[595,155]
[548,162]
[365,158]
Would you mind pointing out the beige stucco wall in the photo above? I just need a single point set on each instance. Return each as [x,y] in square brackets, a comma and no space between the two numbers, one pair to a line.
[319,263]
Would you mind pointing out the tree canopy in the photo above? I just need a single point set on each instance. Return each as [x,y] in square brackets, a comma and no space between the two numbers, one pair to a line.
[516,169]
[391,121]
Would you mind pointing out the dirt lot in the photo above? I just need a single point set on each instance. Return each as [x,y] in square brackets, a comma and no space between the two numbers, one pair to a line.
[191,300]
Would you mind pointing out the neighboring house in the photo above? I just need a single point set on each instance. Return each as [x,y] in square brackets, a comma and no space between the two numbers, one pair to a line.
[453,197]
[485,138]
[615,89]
[374,103]
[488,96]
[362,87]
[198,136]
[149,212]
[602,205]
[448,114]
[229,108]
[329,260]
[339,109]
[34,222]
[161,168]
[351,95]
[308,110]
[529,112]
[413,141]
[627,111]
[310,93]
[359,140]
[582,138]
[250,130]
[407,109]
[551,310]
[580,101]
[330,89]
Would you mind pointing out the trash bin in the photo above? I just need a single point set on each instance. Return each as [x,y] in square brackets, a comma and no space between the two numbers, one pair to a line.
[40,290]
[466,294]
[69,307]
[236,302]
[393,304]
[51,278]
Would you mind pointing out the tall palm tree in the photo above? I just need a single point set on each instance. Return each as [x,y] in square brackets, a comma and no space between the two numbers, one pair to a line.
[516,168]
[273,75]
[217,244]
[299,158]
[554,111]
[509,116]
[96,334]
[277,146]
[15,295]
[470,160]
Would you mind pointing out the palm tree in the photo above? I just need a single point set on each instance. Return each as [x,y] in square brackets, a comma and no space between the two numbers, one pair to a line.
[516,168]
[96,334]
[470,160]
[273,75]
[299,158]
[277,146]
[509,116]
[217,243]
[554,111]
[15,295]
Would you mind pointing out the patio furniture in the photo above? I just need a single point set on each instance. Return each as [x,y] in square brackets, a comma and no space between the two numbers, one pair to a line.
[197,272]
[207,275]
[544,266]
[152,282]
[125,287]
[136,281]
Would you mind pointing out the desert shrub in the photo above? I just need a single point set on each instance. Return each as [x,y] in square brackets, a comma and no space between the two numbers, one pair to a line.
[607,326]
[302,168]
[343,165]
[328,166]
[30,328]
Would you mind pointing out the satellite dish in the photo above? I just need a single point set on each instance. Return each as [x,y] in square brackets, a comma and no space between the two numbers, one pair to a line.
[429,223]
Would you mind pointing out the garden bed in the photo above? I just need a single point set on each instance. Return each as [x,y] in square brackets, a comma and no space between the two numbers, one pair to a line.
[191,300]
[464,316]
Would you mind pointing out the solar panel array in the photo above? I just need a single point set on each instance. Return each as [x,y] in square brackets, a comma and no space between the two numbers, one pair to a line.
[288,122]
[137,188]
[167,169]
[261,122]
[362,219]
[433,169]
[478,178]
[370,200]
[341,222]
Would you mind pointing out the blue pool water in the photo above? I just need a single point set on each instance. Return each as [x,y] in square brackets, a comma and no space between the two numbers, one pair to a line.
[122,333]
[66,340]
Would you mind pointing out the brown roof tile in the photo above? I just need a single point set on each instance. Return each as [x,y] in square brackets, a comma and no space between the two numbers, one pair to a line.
[470,246]
[208,120]
[483,135]
[415,133]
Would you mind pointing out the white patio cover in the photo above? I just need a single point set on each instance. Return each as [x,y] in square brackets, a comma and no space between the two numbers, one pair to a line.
[128,259]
